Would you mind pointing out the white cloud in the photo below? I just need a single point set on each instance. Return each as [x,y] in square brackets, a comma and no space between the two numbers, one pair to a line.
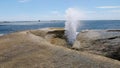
[19,17]
[108,7]
[23,1]
[55,12]
[90,11]
[104,15]
[114,11]
[52,17]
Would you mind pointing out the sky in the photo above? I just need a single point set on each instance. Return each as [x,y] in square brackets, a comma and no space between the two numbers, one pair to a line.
[16,10]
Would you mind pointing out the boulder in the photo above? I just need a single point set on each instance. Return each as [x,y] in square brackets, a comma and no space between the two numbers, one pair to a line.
[102,42]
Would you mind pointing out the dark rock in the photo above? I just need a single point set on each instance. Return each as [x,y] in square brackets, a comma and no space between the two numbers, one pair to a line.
[102,42]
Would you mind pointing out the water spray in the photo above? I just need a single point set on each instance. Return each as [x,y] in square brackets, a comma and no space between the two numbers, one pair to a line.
[72,21]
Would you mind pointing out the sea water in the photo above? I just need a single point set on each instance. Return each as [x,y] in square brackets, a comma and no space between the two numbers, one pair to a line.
[10,27]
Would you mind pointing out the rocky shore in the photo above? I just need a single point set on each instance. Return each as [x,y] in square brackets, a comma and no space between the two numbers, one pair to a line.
[48,48]
[101,42]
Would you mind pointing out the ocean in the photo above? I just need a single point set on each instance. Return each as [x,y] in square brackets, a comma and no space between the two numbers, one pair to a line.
[9,27]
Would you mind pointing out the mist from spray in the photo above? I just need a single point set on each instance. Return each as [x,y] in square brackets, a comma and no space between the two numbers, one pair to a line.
[73,17]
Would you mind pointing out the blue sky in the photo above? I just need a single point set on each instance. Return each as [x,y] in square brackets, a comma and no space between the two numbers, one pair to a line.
[55,9]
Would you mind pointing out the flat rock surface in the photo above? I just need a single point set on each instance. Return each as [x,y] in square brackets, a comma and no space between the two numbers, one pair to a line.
[28,50]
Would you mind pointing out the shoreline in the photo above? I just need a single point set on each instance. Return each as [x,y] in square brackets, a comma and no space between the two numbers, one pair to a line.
[2,34]
[47,48]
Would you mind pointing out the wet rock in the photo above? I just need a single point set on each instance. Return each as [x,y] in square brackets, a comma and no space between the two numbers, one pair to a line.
[102,42]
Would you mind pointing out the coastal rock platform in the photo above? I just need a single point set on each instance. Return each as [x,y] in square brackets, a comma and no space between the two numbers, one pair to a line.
[47,48]
[101,42]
